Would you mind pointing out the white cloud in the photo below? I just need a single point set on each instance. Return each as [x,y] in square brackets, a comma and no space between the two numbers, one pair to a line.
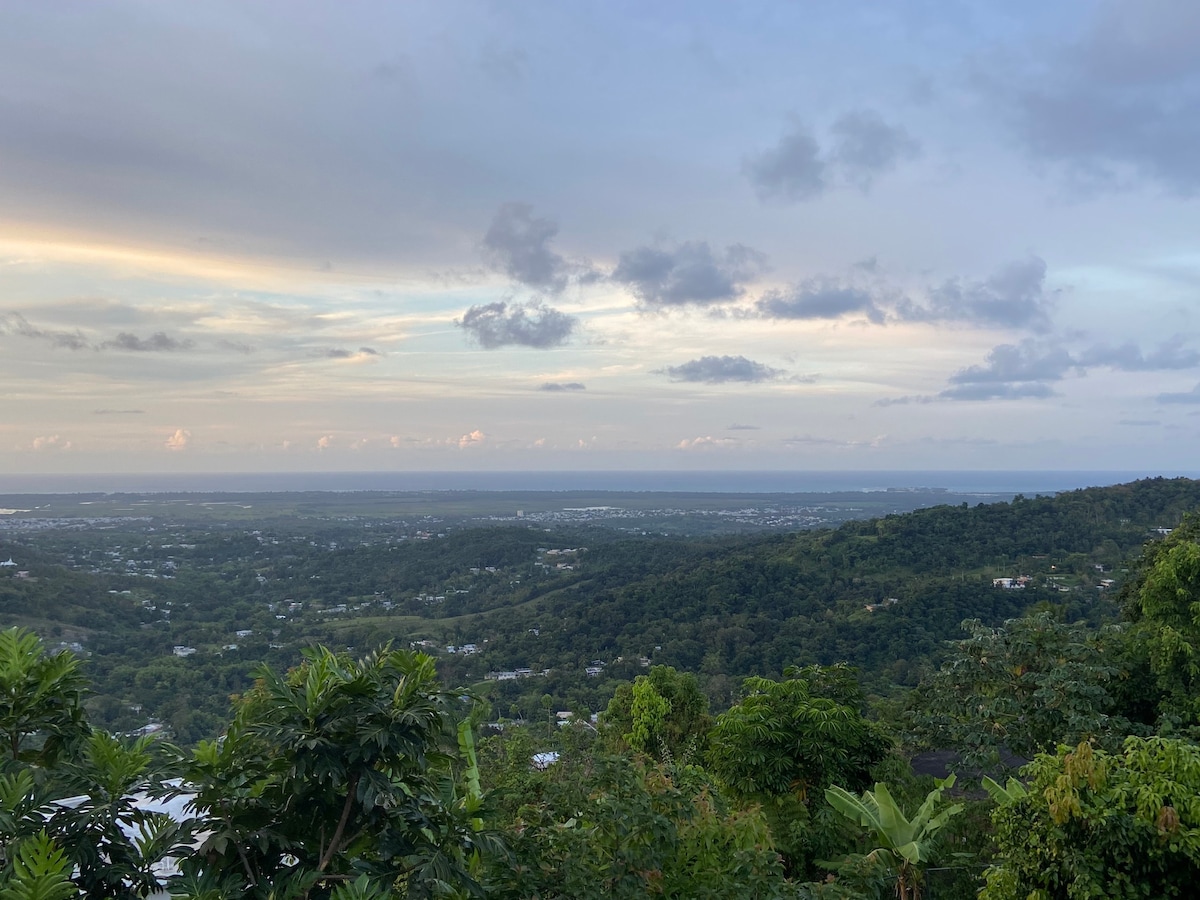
[472,439]
[179,440]
[706,442]
[52,442]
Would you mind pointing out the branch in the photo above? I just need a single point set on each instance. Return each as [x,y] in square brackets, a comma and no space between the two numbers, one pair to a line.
[332,849]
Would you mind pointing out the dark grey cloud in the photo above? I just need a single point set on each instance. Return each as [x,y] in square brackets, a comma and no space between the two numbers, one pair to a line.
[1011,371]
[722,369]
[861,147]
[560,386]
[865,146]
[518,244]
[1128,357]
[1012,297]
[159,342]
[690,273]
[904,400]
[343,353]
[17,324]
[1029,368]
[1026,361]
[1192,396]
[819,299]
[1121,102]
[998,391]
[792,170]
[503,324]
[237,346]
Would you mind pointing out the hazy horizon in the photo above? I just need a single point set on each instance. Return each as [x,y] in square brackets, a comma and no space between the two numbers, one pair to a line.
[666,481]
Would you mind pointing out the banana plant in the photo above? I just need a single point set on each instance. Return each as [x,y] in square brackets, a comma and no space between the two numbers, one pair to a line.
[1007,793]
[905,845]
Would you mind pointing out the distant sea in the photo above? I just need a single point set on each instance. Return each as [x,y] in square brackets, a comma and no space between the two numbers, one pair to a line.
[970,482]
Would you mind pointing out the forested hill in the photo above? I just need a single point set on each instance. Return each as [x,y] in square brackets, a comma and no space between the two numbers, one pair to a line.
[732,609]
[883,594]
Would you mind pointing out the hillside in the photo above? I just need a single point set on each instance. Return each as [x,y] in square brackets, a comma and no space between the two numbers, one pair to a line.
[883,594]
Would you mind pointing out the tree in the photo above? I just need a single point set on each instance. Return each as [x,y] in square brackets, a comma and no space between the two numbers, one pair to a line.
[904,844]
[596,825]
[113,842]
[1097,825]
[39,869]
[1025,687]
[68,794]
[663,714]
[784,743]
[41,699]
[337,769]
[786,737]
[1165,604]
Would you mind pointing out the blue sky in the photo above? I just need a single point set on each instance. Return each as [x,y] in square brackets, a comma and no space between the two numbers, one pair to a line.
[599,235]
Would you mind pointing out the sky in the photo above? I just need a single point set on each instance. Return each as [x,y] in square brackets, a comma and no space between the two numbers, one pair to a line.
[375,236]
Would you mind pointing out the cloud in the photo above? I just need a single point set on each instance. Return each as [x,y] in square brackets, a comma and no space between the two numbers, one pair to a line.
[16,324]
[324,442]
[865,146]
[722,369]
[1012,297]
[518,244]
[341,353]
[502,324]
[237,346]
[689,273]
[903,401]
[1192,396]
[471,439]
[558,386]
[736,427]
[819,299]
[706,442]
[159,342]
[792,170]
[1028,361]
[179,440]
[810,440]
[1129,358]
[118,412]
[53,442]
[1011,371]
[862,146]
[1027,370]
[1122,102]
[997,391]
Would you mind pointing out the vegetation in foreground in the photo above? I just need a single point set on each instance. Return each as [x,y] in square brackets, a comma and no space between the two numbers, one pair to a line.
[363,776]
